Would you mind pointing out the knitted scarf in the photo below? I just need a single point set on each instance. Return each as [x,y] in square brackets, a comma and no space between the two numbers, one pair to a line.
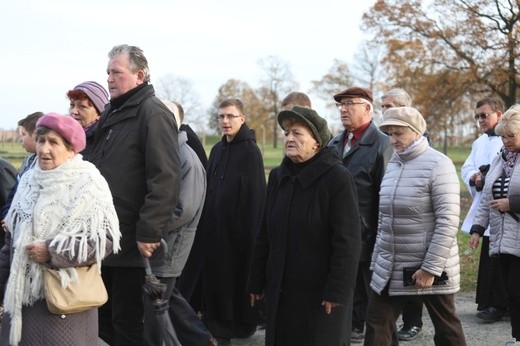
[509,161]
[70,206]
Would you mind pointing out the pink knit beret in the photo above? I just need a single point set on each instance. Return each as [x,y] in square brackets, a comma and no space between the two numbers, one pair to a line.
[67,127]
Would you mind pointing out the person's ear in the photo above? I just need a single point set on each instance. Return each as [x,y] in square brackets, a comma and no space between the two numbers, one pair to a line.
[140,77]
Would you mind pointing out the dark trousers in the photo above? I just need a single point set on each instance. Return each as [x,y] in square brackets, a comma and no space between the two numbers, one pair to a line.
[187,325]
[384,310]
[189,283]
[412,312]
[491,287]
[121,318]
[510,266]
[361,295]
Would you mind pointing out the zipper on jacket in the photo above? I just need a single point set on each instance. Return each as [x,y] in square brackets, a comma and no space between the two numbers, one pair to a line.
[502,237]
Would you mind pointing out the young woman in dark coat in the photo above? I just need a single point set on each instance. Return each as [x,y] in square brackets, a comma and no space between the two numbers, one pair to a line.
[306,254]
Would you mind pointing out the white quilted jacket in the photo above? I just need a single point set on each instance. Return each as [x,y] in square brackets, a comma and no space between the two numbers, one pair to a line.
[504,237]
[418,221]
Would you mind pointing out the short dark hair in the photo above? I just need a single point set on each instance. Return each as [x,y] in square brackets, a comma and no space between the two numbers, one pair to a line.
[297,98]
[496,104]
[232,102]
[29,122]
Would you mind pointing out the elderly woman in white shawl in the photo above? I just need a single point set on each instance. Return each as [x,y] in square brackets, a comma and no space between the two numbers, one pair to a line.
[62,216]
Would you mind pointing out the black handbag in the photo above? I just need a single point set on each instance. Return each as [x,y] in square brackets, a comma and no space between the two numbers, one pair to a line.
[409,271]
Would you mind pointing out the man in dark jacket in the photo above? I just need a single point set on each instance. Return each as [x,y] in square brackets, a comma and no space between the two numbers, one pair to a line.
[231,220]
[365,151]
[7,181]
[179,240]
[136,150]
[190,281]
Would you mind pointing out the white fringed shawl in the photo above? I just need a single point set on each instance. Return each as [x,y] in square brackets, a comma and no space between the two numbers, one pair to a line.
[71,205]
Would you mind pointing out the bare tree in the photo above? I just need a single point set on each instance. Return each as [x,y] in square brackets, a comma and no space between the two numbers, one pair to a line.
[366,67]
[278,81]
[174,88]
[336,79]
[477,39]
[255,111]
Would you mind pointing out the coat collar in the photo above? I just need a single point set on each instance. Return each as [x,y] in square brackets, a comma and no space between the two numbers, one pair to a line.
[412,153]
[112,115]
[327,158]
[243,134]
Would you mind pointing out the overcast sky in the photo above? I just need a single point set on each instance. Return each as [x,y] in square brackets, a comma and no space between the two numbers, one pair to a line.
[50,46]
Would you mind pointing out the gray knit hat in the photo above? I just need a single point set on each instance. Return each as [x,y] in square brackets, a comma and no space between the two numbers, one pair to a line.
[309,117]
[96,93]
[404,116]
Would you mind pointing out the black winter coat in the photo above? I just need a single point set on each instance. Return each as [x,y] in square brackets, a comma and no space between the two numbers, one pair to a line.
[231,220]
[367,161]
[89,136]
[307,251]
[136,149]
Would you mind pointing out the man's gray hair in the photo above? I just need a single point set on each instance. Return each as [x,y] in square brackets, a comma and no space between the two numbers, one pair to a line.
[400,97]
[135,56]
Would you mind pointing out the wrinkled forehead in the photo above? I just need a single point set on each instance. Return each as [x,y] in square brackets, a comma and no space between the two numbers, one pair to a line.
[397,129]
[388,101]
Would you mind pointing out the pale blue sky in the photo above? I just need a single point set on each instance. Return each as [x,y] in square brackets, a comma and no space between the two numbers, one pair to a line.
[50,46]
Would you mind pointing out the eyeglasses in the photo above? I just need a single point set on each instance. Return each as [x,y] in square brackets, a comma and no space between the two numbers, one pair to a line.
[482,116]
[348,104]
[508,137]
[221,117]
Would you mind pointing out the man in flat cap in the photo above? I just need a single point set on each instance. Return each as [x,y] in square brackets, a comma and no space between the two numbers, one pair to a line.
[365,151]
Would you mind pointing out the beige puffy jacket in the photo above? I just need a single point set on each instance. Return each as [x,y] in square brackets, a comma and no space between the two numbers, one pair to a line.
[418,221]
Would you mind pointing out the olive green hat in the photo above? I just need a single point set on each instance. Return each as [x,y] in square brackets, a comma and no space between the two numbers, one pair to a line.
[309,117]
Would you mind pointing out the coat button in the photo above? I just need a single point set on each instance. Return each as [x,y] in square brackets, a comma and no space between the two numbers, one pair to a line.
[63,316]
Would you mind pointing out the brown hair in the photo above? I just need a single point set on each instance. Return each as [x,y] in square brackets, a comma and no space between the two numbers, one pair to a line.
[232,102]
[297,98]
[496,104]
[29,122]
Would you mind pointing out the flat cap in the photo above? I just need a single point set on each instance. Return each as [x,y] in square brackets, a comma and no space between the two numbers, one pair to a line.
[355,92]
[404,116]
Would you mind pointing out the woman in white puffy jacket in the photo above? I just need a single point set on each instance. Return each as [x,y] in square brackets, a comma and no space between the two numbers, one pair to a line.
[416,250]
[499,208]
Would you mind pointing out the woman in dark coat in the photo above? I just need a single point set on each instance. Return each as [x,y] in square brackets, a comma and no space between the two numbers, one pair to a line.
[306,254]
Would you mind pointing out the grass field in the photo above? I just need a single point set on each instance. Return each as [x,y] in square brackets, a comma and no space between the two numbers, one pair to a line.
[14,153]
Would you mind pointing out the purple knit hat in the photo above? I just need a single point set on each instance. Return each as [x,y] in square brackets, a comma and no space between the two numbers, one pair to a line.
[96,93]
[67,127]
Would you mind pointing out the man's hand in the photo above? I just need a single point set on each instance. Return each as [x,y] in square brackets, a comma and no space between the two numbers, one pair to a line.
[255,297]
[147,249]
[474,240]
[329,305]
[477,178]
